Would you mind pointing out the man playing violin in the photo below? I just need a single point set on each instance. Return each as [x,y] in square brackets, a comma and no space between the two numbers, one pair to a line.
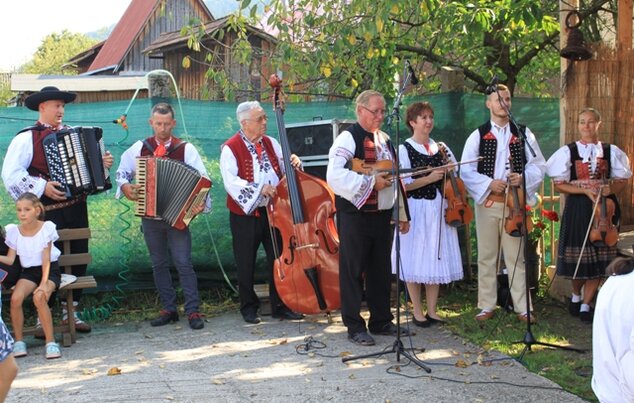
[364,211]
[251,165]
[497,141]
[586,171]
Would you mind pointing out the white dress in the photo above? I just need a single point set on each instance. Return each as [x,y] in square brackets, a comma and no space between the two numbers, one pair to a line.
[419,247]
[29,248]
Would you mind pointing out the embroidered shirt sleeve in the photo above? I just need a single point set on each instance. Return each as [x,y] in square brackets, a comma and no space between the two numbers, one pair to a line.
[127,166]
[477,184]
[350,185]
[17,159]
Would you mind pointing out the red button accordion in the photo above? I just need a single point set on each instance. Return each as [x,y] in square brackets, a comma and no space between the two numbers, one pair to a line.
[74,157]
[170,189]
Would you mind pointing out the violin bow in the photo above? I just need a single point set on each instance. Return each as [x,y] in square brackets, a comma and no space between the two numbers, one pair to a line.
[585,240]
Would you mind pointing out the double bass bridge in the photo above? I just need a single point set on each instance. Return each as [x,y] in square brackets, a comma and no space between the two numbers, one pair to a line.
[294,246]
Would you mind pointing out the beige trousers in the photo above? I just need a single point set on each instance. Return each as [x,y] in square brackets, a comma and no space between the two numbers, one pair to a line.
[489,225]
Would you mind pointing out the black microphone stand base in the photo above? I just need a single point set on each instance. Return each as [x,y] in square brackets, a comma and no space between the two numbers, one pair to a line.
[397,348]
[529,341]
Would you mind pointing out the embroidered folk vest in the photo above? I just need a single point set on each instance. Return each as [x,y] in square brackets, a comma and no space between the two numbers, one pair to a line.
[245,164]
[176,150]
[417,160]
[488,150]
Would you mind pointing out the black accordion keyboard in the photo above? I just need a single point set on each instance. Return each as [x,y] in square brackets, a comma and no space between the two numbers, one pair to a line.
[74,159]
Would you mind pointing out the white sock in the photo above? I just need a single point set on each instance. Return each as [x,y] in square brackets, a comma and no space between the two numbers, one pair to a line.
[575,298]
[584,308]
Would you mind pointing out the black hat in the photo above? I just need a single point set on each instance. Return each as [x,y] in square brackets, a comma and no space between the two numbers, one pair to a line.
[34,100]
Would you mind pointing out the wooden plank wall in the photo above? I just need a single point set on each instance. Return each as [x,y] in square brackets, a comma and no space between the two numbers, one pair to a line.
[172,17]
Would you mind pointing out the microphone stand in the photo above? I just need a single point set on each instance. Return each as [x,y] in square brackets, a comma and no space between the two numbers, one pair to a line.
[397,347]
[528,340]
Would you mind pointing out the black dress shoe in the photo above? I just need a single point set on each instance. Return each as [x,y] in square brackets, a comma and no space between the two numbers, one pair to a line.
[421,323]
[573,308]
[196,321]
[586,317]
[252,318]
[434,321]
[287,314]
[164,318]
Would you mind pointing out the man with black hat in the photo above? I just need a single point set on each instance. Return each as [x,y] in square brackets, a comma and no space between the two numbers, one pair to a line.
[25,170]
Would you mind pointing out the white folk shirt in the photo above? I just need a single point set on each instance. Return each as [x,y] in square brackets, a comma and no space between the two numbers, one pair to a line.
[263,174]
[351,185]
[558,165]
[29,248]
[127,167]
[613,341]
[478,184]
[16,162]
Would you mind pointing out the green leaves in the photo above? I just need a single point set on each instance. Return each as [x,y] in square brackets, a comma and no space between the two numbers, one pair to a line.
[55,51]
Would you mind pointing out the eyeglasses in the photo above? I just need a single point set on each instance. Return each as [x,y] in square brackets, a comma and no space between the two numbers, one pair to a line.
[259,119]
[378,112]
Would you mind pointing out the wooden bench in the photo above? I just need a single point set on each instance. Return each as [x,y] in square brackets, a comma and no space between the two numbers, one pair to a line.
[66,261]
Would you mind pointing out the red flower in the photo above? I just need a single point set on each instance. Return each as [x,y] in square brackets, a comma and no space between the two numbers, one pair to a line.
[540,225]
[551,215]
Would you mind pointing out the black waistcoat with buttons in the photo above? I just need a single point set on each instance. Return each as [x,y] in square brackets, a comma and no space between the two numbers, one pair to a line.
[418,160]
[489,146]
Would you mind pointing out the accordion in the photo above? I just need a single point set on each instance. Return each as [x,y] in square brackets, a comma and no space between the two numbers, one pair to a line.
[74,159]
[169,190]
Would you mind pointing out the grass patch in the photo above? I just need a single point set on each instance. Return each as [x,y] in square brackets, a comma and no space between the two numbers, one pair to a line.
[504,333]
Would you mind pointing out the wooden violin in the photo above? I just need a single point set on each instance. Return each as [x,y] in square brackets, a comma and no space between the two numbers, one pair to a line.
[516,203]
[458,211]
[306,272]
[604,233]
[387,166]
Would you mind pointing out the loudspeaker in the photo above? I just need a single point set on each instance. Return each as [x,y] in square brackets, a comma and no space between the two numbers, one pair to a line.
[311,141]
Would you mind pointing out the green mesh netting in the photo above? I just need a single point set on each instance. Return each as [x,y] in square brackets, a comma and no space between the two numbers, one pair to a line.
[208,125]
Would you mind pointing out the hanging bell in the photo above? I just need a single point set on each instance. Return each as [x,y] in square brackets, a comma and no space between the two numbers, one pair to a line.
[576,48]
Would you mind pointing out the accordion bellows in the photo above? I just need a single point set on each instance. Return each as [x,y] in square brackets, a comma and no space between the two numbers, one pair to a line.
[75,159]
[169,190]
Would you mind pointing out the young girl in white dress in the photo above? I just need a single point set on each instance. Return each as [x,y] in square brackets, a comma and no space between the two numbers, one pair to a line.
[421,262]
[32,241]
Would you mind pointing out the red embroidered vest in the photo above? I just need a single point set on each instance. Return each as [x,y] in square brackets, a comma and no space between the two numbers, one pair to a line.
[245,164]
[176,150]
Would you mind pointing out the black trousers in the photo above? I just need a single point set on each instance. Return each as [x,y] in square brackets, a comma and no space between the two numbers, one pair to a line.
[364,255]
[75,216]
[248,233]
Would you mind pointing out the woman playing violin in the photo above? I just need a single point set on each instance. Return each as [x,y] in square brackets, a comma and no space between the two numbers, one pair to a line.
[430,253]
[584,171]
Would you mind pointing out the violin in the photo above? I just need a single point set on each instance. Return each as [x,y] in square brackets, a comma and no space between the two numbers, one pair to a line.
[387,166]
[604,233]
[306,272]
[371,168]
[516,203]
[458,211]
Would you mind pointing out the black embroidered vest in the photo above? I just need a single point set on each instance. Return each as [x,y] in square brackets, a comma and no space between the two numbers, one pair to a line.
[421,160]
[488,150]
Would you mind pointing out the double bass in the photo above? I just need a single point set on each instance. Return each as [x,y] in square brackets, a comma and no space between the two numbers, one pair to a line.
[306,272]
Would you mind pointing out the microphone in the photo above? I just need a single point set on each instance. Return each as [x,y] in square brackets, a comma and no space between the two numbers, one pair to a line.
[411,73]
[493,87]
